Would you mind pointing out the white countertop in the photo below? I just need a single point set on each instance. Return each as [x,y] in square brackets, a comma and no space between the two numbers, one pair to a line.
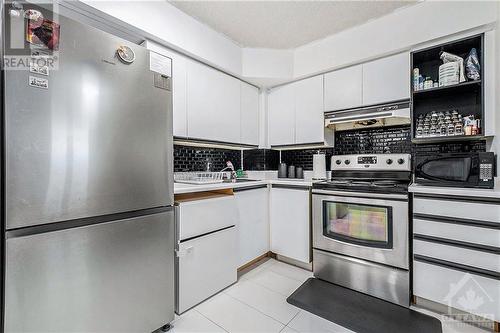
[180,188]
[457,191]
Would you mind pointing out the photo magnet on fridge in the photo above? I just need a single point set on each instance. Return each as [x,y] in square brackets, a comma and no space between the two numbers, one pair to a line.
[41,32]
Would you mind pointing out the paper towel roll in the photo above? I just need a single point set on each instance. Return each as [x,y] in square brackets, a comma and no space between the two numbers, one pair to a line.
[319,166]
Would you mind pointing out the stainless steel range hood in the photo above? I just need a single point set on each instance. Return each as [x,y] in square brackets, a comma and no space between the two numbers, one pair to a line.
[381,115]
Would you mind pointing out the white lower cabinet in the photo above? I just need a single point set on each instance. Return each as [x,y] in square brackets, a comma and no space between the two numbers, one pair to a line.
[472,293]
[456,261]
[253,223]
[206,265]
[290,222]
[206,254]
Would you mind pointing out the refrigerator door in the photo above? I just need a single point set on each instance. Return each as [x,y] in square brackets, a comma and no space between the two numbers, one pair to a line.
[111,277]
[98,141]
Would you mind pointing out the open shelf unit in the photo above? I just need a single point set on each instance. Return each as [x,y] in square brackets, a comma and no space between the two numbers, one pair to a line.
[466,97]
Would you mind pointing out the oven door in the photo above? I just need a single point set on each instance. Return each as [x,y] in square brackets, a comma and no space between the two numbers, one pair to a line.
[367,226]
[459,170]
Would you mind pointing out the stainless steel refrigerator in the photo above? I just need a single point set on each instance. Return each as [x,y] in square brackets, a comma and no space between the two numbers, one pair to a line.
[88,188]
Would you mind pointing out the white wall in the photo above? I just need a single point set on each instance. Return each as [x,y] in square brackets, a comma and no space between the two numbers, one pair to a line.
[267,63]
[173,28]
[392,33]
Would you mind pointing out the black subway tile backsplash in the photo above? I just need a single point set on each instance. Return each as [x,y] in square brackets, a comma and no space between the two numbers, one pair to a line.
[261,159]
[187,158]
[304,157]
[385,140]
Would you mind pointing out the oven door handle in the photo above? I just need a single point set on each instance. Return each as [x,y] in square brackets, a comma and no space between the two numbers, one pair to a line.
[391,196]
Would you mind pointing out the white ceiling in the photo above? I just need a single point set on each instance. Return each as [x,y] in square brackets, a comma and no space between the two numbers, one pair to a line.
[284,24]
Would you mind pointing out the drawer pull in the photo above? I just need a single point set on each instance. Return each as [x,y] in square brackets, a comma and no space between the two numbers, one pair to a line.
[459,267]
[465,245]
[183,252]
[455,220]
[493,201]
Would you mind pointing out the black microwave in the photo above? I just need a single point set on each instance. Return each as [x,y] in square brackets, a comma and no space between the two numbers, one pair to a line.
[456,169]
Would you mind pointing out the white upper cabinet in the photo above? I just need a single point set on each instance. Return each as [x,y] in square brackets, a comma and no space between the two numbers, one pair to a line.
[249,114]
[282,115]
[228,106]
[201,101]
[387,79]
[309,119]
[343,88]
[213,104]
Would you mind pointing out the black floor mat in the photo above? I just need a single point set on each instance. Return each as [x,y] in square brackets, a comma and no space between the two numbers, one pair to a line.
[359,312]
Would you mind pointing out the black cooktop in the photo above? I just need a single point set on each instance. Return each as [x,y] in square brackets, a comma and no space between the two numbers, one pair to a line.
[364,185]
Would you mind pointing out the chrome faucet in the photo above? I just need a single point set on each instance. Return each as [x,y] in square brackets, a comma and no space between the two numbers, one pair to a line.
[209,164]
[230,166]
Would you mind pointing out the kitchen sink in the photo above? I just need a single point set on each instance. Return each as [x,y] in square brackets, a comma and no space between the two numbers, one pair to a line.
[240,180]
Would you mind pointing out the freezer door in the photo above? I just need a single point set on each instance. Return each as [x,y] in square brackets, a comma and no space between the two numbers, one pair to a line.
[98,141]
[111,277]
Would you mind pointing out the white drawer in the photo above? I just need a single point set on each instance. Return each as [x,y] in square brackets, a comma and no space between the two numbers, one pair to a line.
[199,217]
[205,266]
[459,232]
[451,287]
[461,209]
[480,259]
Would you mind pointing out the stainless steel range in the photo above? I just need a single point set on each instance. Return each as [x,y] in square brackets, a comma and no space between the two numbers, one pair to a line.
[361,225]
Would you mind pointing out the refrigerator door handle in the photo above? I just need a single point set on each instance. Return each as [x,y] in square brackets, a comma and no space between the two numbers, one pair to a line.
[183,252]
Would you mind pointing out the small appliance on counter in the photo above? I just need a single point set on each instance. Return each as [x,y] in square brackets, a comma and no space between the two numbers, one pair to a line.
[282,170]
[472,170]
[291,171]
[319,166]
[299,173]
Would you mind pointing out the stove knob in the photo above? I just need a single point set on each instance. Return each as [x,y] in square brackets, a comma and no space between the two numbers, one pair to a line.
[389,161]
[338,162]
[347,162]
[401,161]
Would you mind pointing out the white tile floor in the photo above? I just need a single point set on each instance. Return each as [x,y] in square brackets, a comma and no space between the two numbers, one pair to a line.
[257,303]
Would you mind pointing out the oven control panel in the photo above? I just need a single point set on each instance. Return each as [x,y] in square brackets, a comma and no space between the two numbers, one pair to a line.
[367,160]
[396,162]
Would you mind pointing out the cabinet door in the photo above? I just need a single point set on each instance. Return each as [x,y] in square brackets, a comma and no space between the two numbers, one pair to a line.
[201,101]
[253,224]
[343,88]
[213,104]
[226,124]
[309,119]
[205,265]
[282,115]
[386,79]
[249,114]
[290,225]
